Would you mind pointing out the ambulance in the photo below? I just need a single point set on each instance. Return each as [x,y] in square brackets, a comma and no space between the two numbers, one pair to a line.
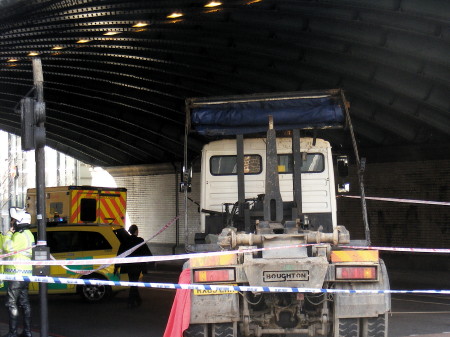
[81,205]
[83,222]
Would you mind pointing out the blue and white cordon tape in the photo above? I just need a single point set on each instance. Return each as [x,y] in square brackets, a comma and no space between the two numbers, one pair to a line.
[227,288]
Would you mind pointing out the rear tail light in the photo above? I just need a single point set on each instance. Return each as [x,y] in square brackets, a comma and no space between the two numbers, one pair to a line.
[213,261]
[214,275]
[356,273]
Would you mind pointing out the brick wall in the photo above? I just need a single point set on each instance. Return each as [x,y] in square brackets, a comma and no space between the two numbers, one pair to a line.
[151,203]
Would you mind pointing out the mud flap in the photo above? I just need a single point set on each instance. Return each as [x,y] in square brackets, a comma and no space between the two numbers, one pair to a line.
[214,308]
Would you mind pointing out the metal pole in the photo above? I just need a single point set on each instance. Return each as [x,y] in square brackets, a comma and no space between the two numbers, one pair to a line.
[185,179]
[40,194]
[360,166]
[177,211]
[297,173]
[11,195]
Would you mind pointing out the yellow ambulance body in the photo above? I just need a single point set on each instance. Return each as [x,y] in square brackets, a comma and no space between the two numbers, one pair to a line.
[81,205]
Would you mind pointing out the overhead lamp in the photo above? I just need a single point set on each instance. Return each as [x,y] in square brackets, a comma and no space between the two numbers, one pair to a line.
[213,4]
[111,33]
[83,41]
[57,48]
[140,24]
[12,60]
[33,53]
[174,15]
[253,2]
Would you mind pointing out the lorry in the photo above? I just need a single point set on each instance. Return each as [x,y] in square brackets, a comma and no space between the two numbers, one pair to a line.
[268,182]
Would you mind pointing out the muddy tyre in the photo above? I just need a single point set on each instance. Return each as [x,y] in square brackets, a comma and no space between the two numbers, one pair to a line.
[196,330]
[348,327]
[223,330]
[375,326]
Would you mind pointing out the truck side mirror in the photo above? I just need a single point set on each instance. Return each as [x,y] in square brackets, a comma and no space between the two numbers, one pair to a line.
[343,188]
[342,166]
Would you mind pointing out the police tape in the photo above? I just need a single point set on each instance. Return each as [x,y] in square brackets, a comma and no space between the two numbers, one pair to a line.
[105,262]
[408,201]
[124,254]
[84,272]
[209,287]
[16,252]
[402,249]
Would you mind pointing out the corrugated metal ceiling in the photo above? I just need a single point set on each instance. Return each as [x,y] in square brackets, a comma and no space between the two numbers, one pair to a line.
[119,99]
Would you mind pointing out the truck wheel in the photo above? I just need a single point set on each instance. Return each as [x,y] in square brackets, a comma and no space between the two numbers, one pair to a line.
[93,293]
[196,330]
[348,327]
[223,330]
[375,326]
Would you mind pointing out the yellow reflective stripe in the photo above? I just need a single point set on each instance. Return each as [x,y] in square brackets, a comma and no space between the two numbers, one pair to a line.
[30,240]
[17,271]
[8,244]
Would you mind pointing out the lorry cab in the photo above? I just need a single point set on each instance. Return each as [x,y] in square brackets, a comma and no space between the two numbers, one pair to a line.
[219,178]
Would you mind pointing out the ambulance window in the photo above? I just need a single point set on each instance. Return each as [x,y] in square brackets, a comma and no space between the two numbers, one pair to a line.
[60,242]
[314,163]
[226,165]
[88,209]
[76,241]
[94,241]
[56,208]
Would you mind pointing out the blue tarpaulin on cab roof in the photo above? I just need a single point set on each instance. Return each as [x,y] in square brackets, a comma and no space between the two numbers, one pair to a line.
[252,116]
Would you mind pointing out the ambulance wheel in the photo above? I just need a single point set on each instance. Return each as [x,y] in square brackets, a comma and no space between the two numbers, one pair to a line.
[196,330]
[375,326]
[223,330]
[93,293]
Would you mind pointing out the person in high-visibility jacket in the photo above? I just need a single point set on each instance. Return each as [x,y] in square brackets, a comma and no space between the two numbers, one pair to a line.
[19,239]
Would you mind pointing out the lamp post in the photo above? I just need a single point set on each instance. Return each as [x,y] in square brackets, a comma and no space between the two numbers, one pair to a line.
[33,138]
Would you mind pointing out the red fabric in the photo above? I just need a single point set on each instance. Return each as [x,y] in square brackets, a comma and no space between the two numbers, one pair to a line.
[180,314]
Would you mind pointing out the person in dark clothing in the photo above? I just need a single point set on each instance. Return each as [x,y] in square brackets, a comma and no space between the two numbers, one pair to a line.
[134,270]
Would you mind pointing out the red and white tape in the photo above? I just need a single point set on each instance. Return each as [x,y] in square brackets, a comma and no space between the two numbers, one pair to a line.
[124,254]
[121,260]
[402,249]
[409,201]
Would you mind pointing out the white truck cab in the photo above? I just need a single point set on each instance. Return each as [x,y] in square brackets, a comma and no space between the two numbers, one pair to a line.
[219,175]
